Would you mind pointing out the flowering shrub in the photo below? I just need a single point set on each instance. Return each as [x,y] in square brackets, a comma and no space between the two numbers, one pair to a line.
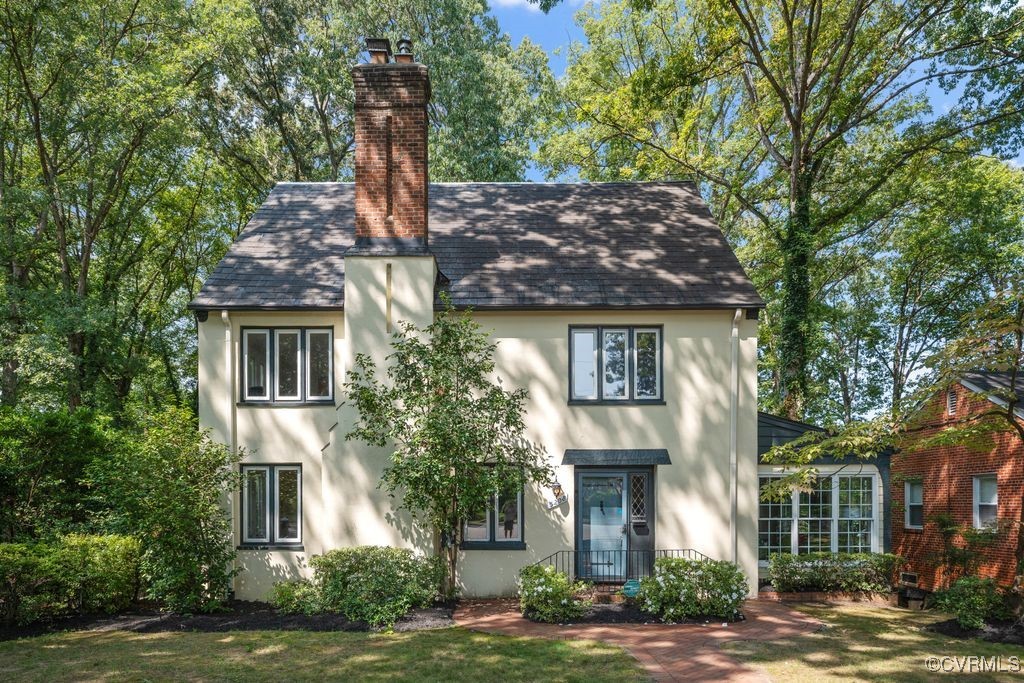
[844,572]
[367,583]
[546,594]
[973,601]
[681,589]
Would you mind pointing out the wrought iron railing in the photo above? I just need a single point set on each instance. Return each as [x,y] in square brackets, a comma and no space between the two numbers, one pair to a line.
[613,566]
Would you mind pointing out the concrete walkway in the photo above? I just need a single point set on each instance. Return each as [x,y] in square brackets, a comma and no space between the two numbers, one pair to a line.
[684,652]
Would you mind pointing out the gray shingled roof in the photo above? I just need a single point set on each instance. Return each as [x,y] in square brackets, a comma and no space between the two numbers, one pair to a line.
[511,245]
[996,385]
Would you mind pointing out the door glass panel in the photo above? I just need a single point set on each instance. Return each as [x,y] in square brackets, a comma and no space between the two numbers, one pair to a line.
[602,527]
[614,370]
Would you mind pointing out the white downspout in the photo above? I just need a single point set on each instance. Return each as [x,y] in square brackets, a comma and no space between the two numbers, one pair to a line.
[734,399]
[229,373]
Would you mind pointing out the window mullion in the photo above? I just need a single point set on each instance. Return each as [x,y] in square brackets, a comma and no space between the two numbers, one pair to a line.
[834,535]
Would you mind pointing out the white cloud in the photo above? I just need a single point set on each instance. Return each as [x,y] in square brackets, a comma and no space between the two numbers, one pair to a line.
[525,4]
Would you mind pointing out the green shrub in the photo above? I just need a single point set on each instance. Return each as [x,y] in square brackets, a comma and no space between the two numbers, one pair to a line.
[681,589]
[168,487]
[369,583]
[973,601]
[842,572]
[76,574]
[546,594]
[295,597]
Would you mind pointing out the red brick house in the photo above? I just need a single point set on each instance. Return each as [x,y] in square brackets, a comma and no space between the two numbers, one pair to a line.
[974,487]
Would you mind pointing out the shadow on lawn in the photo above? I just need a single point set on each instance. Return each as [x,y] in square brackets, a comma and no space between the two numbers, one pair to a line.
[867,643]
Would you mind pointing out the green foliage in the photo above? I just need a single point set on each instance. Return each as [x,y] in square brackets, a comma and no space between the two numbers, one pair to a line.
[456,433]
[369,583]
[963,546]
[841,572]
[687,589]
[44,456]
[548,595]
[74,574]
[169,487]
[973,601]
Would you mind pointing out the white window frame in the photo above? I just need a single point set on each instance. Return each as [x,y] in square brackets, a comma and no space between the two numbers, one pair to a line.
[298,364]
[246,469]
[626,379]
[907,504]
[976,503]
[594,333]
[330,363]
[833,473]
[265,332]
[277,503]
[657,364]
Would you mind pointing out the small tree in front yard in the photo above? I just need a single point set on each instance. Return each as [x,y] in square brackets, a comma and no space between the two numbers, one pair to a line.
[457,433]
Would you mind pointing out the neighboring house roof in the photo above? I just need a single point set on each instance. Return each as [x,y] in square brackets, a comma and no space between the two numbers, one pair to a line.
[500,245]
[996,386]
[774,430]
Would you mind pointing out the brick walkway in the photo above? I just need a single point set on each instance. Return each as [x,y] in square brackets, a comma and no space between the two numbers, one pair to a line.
[684,652]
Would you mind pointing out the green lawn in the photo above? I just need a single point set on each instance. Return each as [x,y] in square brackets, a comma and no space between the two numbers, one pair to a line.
[439,655]
[868,644]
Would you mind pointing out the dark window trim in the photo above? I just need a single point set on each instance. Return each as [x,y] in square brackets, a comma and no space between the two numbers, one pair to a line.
[630,398]
[271,400]
[493,543]
[272,543]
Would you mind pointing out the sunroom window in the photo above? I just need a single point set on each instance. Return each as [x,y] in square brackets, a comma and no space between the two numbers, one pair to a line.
[615,364]
[837,514]
[287,364]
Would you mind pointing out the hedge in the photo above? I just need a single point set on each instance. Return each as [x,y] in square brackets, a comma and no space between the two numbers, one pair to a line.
[841,572]
[77,574]
[687,589]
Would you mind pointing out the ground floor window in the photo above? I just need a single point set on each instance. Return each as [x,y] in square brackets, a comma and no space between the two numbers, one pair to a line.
[272,504]
[837,514]
[501,522]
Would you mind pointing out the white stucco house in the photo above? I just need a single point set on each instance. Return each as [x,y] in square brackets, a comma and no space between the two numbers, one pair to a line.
[620,307]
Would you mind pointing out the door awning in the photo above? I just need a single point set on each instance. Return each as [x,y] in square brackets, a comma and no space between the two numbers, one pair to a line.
[616,457]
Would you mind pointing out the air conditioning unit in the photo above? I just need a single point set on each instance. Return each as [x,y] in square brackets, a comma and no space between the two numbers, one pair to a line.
[908,579]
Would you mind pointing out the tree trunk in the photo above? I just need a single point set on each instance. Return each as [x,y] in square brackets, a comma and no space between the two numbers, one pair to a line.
[794,342]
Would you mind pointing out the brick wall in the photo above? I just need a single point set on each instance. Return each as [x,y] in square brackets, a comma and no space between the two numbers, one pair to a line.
[391,150]
[946,473]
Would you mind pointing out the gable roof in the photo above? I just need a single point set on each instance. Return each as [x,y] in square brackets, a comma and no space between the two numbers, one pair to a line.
[995,384]
[500,245]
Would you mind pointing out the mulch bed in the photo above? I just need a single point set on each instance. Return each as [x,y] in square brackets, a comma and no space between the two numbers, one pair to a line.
[239,616]
[1010,632]
[629,613]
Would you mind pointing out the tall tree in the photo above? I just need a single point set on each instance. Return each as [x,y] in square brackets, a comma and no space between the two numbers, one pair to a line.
[795,117]
[283,105]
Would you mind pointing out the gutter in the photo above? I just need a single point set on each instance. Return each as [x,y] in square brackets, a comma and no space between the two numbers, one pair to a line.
[734,391]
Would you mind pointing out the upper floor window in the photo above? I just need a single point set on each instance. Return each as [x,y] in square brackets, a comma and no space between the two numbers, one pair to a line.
[615,364]
[287,364]
[986,500]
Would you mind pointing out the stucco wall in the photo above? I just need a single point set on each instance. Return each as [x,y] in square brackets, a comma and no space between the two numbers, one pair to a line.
[342,506]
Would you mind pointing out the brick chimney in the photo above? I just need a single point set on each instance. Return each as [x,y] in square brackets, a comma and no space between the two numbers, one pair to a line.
[391,148]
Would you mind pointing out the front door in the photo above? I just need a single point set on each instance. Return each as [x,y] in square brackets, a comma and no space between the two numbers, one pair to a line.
[612,531]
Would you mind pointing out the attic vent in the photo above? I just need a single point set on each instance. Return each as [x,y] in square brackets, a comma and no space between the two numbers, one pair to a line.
[951,402]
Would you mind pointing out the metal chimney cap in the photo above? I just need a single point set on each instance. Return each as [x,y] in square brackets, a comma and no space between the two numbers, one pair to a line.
[379,49]
[405,46]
